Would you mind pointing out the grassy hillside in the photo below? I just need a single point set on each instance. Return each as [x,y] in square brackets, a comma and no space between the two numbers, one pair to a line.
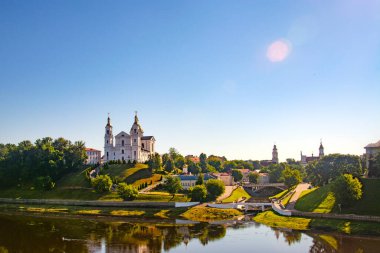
[236,195]
[369,204]
[129,173]
[322,200]
[318,200]
[75,185]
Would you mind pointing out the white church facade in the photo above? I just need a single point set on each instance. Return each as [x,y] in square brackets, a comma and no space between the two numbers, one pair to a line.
[128,147]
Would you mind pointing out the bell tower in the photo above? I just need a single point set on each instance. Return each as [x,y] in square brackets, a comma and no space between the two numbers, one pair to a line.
[136,134]
[321,150]
[108,140]
[275,154]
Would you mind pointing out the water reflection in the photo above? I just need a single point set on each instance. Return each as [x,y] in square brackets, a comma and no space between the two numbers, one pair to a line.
[32,234]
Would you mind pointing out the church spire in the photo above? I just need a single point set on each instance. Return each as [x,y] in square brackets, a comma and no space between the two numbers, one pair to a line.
[136,119]
[108,120]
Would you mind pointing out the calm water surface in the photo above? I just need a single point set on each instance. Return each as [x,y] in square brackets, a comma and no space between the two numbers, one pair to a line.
[36,234]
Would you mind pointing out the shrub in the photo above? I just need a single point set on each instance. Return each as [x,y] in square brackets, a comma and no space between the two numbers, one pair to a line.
[215,188]
[347,189]
[44,183]
[102,183]
[198,193]
[127,192]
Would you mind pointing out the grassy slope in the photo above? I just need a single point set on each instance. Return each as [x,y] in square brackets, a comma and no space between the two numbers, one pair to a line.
[237,194]
[370,203]
[348,227]
[322,200]
[75,185]
[318,200]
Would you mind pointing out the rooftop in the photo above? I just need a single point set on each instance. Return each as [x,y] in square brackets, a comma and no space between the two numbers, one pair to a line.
[373,145]
[92,149]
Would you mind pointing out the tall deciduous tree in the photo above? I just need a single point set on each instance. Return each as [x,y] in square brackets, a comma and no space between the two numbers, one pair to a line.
[173,184]
[215,188]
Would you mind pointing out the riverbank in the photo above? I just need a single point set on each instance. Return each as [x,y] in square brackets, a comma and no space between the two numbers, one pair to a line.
[272,219]
[197,213]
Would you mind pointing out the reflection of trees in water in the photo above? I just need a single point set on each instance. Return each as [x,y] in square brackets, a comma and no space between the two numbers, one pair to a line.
[290,236]
[72,235]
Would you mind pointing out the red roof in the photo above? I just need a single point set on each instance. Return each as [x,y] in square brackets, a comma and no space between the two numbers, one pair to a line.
[92,149]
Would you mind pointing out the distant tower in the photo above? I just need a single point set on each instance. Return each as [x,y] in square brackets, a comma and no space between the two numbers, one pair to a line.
[274,154]
[108,140]
[136,134]
[321,150]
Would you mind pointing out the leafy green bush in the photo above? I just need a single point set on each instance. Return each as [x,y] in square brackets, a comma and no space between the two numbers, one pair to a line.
[347,189]
[127,192]
[102,183]
[198,193]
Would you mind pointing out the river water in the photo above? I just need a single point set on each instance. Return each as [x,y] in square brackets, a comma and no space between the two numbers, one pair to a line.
[58,234]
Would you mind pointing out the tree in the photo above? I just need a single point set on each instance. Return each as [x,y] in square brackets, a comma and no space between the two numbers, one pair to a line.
[198,193]
[173,154]
[215,188]
[179,162]
[331,166]
[194,168]
[237,175]
[374,166]
[347,189]
[253,177]
[127,192]
[102,183]
[154,162]
[173,185]
[169,166]
[200,180]
[203,162]
[230,165]
[291,177]
[275,172]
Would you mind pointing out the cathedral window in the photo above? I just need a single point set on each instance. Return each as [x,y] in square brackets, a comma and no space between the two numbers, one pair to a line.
[134,140]
[107,141]
[122,143]
[135,130]
[122,151]
[108,131]
[143,145]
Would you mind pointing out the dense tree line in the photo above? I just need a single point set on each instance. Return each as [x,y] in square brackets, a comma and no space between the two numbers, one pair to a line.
[43,161]
[332,166]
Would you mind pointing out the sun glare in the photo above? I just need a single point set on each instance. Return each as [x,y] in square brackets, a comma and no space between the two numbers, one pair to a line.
[278,50]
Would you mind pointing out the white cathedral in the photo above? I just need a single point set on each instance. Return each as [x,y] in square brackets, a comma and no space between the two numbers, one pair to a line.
[129,147]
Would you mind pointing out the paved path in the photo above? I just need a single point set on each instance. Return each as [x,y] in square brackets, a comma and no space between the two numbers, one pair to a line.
[227,193]
[300,188]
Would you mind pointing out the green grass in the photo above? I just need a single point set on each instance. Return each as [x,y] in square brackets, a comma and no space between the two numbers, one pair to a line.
[283,193]
[286,200]
[272,219]
[153,179]
[322,200]
[161,197]
[318,200]
[168,213]
[201,213]
[369,204]
[236,195]
[75,179]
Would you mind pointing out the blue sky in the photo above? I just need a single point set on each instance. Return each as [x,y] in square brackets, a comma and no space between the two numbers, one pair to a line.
[197,72]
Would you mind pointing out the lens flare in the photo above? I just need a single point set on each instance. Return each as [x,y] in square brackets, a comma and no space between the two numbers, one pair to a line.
[278,50]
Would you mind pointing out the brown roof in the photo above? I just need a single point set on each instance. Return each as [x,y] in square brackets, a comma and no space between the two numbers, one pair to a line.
[373,145]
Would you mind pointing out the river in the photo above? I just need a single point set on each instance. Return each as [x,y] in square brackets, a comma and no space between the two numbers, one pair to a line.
[59,234]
